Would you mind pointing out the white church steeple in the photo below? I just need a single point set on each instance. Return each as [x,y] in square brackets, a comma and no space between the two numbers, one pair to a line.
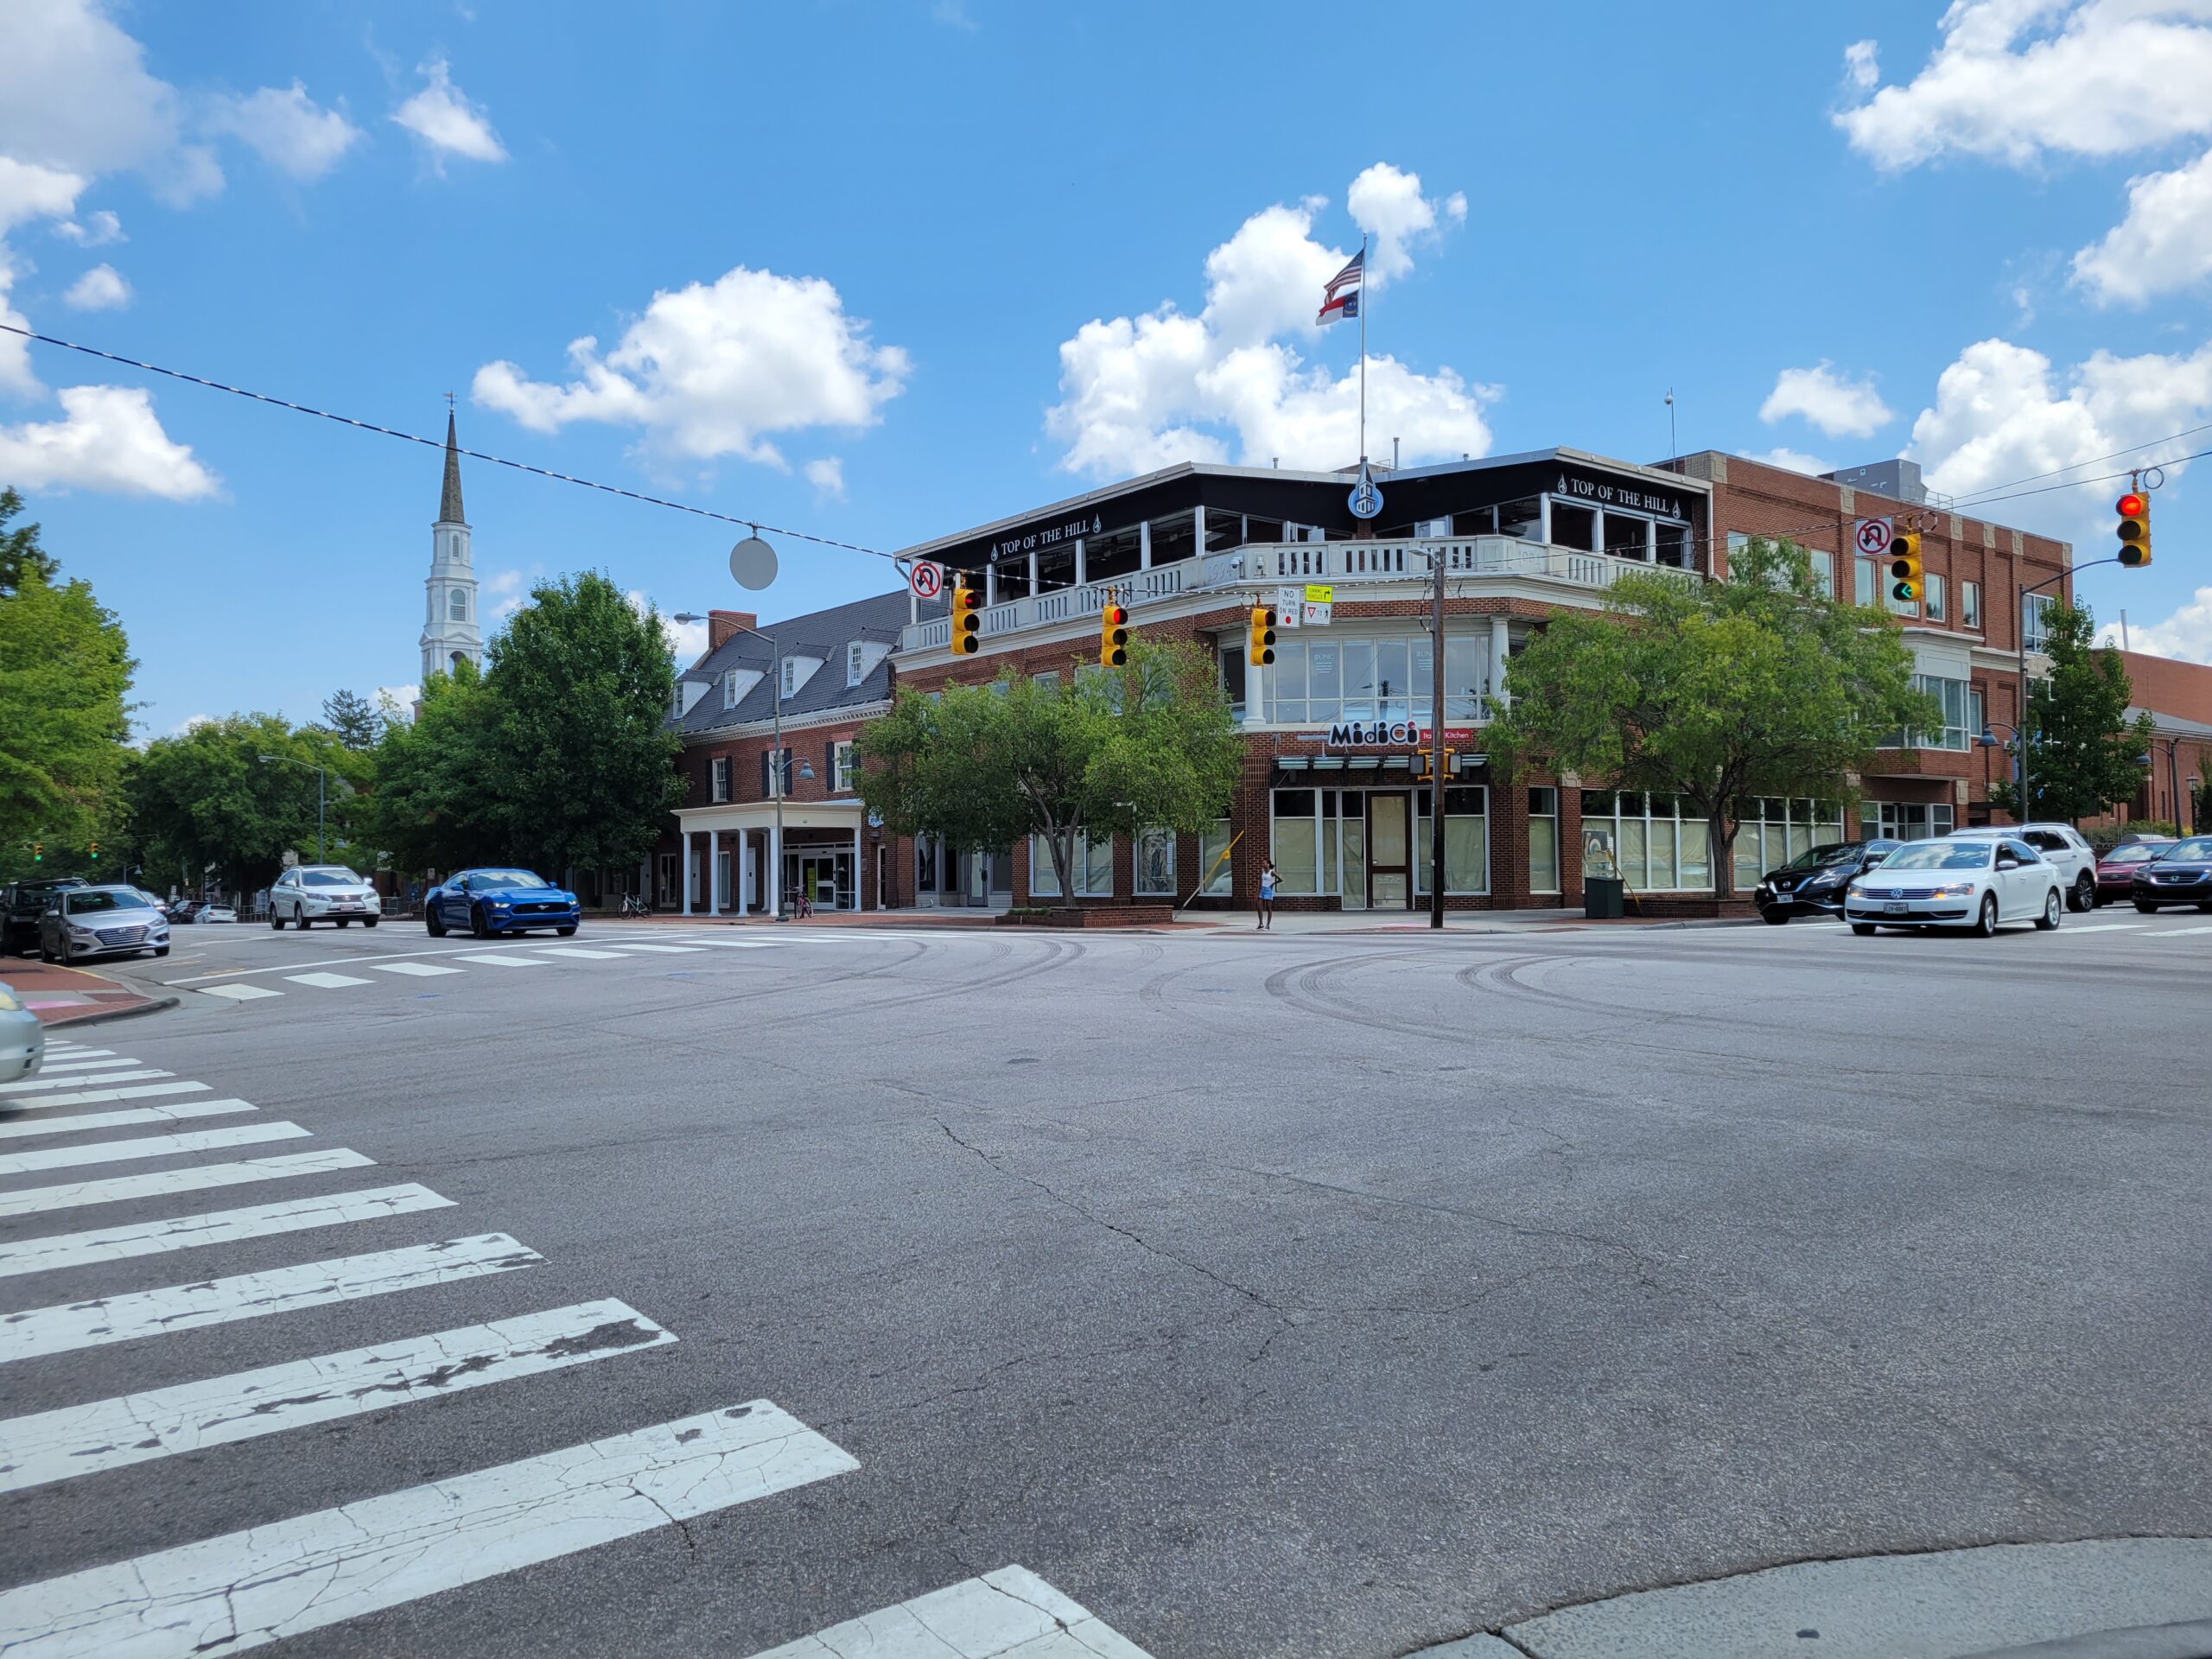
[449,623]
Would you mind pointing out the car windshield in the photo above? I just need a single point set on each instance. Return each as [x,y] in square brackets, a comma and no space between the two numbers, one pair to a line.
[330,878]
[2135,852]
[1941,856]
[1813,858]
[84,904]
[506,879]
[2196,847]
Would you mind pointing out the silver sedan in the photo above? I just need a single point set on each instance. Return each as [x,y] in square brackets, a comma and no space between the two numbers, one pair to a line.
[22,1039]
[100,922]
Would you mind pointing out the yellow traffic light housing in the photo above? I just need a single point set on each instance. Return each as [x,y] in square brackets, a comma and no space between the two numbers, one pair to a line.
[967,620]
[1907,575]
[1113,635]
[1260,636]
[2134,527]
[96,852]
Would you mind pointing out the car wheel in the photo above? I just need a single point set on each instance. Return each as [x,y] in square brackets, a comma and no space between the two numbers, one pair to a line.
[432,926]
[1985,922]
[2052,911]
[161,949]
[368,921]
[345,921]
[2084,896]
[2147,909]
[276,919]
[1774,916]
[479,924]
[299,919]
[1864,929]
[566,933]
[45,950]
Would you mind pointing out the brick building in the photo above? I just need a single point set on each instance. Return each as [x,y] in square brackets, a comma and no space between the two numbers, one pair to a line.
[1331,728]
[2178,698]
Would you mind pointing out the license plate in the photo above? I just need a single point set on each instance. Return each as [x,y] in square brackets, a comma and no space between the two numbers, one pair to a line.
[1897,910]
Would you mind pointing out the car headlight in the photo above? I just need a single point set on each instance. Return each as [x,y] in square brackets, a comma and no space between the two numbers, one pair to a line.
[7,1003]
[1952,890]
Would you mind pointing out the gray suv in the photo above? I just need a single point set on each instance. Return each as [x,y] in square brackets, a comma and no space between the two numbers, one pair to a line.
[2062,845]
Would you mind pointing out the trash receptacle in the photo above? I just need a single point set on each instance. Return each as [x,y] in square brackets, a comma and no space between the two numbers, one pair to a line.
[1602,898]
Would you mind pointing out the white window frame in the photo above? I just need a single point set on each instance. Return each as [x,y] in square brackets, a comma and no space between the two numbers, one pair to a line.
[855,663]
[1970,605]
[718,778]
[844,768]
[1934,598]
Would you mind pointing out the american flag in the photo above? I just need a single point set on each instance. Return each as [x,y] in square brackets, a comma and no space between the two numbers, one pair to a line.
[1340,298]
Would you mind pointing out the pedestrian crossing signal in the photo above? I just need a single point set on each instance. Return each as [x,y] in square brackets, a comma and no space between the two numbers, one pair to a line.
[967,620]
[1906,573]
[1259,643]
[2134,528]
[1112,636]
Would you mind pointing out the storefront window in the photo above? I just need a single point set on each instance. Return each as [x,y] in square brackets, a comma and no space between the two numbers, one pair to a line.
[1155,862]
[1905,820]
[1774,831]
[1466,841]
[1660,844]
[1543,841]
[1214,869]
[1092,861]
[1297,845]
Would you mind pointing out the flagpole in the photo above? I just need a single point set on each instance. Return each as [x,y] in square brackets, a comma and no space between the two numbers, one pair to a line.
[1362,351]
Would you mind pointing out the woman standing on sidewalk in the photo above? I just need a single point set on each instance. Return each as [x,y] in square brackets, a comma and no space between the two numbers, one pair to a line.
[1267,892]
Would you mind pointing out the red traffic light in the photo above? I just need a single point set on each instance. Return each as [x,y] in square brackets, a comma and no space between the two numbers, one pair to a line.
[2130,506]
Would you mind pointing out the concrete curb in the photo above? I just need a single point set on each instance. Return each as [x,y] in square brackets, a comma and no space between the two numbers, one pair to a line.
[2192,1640]
[98,1016]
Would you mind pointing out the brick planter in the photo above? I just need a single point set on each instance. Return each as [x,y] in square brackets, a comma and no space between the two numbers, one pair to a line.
[1090,915]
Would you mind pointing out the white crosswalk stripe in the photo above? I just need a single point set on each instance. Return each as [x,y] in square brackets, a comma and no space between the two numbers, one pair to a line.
[152,1146]
[51,1445]
[162,1184]
[326,981]
[17,1129]
[238,993]
[49,1079]
[70,1063]
[276,1580]
[220,1227]
[669,949]
[2177,932]
[505,959]
[68,1326]
[417,970]
[580,952]
[1008,1614]
[102,1097]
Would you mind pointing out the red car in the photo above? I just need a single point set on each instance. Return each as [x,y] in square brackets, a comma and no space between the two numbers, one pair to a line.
[2116,869]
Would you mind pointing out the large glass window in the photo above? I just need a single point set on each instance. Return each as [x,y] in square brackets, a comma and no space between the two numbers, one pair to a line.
[1543,841]
[1327,676]
[1214,866]
[1114,554]
[1174,537]
[1466,841]
[1627,536]
[1905,820]
[1823,571]
[1866,581]
[1297,842]
[1776,830]
[1225,531]
[1970,604]
[1091,863]
[1674,546]
[1959,728]
[1523,518]
[1155,862]
[2033,609]
[1575,527]
[1935,597]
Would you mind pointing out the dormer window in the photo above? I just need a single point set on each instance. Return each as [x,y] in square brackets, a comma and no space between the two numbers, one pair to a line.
[855,663]
[729,689]
[791,676]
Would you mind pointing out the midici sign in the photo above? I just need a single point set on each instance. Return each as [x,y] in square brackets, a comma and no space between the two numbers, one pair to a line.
[1386,734]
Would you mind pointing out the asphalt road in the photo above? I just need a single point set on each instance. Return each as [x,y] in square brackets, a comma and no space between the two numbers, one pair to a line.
[1296,1295]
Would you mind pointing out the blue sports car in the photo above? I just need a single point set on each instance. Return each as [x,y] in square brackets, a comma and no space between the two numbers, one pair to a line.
[490,902]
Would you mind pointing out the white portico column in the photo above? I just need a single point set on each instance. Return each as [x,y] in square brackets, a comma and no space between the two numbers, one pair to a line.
[713,872]
[687,872]
[1501,641]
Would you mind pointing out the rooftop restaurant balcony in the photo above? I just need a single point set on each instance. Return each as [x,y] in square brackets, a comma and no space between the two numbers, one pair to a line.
[1471,564]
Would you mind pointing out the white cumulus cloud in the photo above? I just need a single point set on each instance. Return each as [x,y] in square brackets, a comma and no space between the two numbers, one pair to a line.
[715,368]
[687,641]
[2164,245]
[1862,65]
[500,594]
[2186,635]
[1838,407]
[29,191]
[290,130]
[2002,415]
[1795,460]
[109,439]
[16,374]
[98,230]
[443,117]
[1145,392]
[2011,79]
[827,474]
[100,289]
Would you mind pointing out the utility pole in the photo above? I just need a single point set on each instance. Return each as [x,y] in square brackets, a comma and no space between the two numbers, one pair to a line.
[1436,739]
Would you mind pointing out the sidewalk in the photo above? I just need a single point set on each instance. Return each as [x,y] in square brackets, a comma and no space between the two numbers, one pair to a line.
[1551,919]
[73,996]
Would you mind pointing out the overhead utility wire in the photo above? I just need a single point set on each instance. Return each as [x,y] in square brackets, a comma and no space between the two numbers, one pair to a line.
[1975,495]
[439,443]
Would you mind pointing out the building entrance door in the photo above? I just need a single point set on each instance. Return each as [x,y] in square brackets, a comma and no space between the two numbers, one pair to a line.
[1389,858]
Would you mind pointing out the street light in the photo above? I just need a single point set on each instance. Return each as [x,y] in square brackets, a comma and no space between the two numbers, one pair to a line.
[319,780]
[776,766]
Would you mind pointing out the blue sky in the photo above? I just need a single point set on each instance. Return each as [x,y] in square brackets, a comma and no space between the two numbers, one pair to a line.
[883,270]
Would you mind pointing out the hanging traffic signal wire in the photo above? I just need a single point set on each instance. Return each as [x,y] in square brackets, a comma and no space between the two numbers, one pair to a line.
[755,525]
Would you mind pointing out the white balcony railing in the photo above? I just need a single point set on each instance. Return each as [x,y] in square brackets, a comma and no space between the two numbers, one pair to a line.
[1263,565]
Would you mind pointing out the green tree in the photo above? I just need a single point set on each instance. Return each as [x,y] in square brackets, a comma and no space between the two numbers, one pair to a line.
[434,806]
[352,720]
[19,553]
[1150,745]
[65,672]
[2086,754]
[585,774]
[204,800]
[1718,692]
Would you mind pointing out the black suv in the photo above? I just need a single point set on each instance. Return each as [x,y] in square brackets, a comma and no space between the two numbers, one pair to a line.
[1812,883]
[21,904]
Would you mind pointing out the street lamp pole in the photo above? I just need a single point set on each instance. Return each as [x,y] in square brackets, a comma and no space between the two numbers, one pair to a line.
[318,796]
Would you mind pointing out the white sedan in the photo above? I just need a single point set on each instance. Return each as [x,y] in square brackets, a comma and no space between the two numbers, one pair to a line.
[323,893]
[1958,882]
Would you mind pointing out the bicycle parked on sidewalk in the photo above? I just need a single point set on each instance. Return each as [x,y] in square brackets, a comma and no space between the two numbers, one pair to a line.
[636,904]
[798,908]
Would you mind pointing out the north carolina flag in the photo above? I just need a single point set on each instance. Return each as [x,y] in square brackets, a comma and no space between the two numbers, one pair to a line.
[1340,298]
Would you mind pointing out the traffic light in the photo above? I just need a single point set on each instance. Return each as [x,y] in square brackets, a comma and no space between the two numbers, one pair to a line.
[2134,528]
[1425,764]
[1260,643]
[96,852]
[1904,566]
[38,852]
[967,620]
[1113,635]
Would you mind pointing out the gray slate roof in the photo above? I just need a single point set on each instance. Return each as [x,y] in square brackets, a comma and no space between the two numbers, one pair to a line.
[822,635]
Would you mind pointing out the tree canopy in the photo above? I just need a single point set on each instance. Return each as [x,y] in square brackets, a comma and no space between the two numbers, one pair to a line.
[65,674]
[2086,752]
[204,800]
[352,720]
[434,806]
[1104,751]
[1718,692]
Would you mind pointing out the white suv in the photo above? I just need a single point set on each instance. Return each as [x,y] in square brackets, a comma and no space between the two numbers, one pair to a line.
[323,893]
[2062,845]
